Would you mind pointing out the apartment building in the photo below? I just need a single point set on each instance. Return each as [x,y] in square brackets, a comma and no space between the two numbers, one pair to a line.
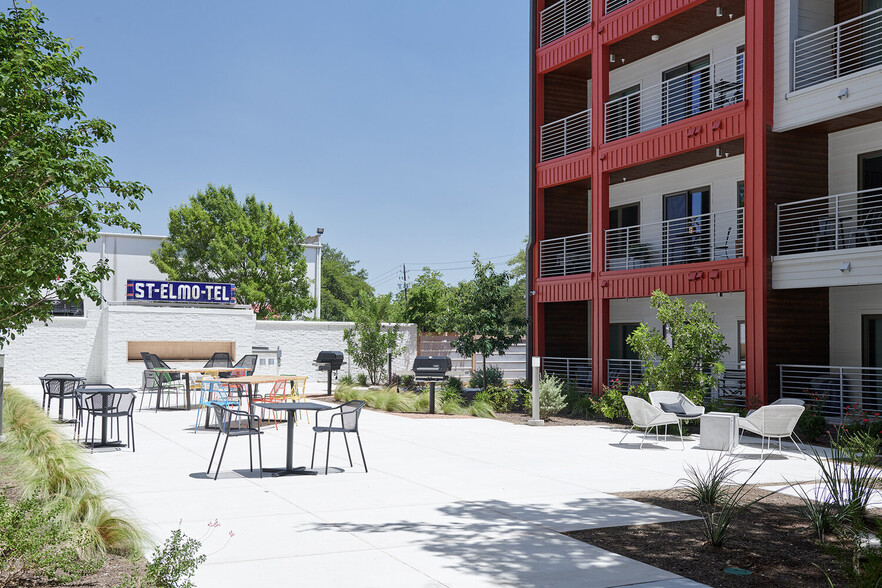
[725,151]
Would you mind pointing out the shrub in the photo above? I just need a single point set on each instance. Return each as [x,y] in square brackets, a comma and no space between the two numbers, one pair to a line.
[451,394]
[454,383]
[812,424]
[482,379]
[35,541]
[480,408]
[362,380]
[501,398]
[173,563]
[583,406]
[610,403]
[453,407]
[551,398]
[346,380]
[407,382]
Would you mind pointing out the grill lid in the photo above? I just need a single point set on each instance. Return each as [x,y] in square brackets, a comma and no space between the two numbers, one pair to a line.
[431,367]
[330,360]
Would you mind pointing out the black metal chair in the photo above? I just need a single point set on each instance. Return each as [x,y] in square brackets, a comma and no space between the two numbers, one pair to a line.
[60,389]
[244,367]
[248,363]
[244,425]
[168,380]
[348,423]
[109,406]
[78,424]
[220,359]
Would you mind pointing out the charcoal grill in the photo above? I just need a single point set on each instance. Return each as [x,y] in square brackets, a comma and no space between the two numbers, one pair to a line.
[431,370]
[329,361]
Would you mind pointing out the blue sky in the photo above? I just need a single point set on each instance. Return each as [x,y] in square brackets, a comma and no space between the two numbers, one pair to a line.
[399,126]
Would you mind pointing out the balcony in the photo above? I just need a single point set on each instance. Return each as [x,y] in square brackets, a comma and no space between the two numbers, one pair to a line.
[566,135]
[708,88]
[704,237]
[848,47]
[575,369]
[612,5]
[562,18]
[831,223]
[629,372]
[565,256]
[835,388]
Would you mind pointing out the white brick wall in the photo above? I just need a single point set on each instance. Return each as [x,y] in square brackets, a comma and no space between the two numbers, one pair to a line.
[96,345]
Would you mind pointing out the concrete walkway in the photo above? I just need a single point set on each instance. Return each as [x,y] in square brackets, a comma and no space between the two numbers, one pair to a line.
[447,501]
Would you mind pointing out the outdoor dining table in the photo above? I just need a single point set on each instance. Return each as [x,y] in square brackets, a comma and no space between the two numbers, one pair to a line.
[211,371]
[253,382]
[62,380]
[105,393]
[291,408]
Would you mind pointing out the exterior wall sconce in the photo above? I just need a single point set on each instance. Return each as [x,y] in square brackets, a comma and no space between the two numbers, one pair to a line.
[719,11]
[845,267]
[612,58]
[843,94]
[655,37]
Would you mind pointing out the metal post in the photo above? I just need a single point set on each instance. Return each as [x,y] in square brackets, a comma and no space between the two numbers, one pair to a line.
[2,365]
[432,397]
[535,421]
[389,358]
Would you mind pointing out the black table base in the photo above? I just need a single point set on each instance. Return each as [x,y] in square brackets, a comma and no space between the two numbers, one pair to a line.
[298,471]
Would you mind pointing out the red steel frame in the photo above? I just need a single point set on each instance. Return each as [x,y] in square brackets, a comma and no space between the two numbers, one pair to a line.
[748,121]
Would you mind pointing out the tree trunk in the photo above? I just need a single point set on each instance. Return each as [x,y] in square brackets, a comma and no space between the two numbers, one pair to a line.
[484,374]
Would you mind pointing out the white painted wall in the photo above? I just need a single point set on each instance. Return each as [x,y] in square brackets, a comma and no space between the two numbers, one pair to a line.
[822,268]
[820,102]
[844,148]
[847,304]
[727,309]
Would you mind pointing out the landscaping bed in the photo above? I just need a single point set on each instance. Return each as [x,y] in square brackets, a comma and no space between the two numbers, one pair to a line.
[773,540]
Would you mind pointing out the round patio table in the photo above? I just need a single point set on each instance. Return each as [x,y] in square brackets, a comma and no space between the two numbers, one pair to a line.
[105,408]
[291,408]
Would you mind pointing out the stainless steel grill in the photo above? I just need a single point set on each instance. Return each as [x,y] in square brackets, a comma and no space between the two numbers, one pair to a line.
[431,369]
[329,361]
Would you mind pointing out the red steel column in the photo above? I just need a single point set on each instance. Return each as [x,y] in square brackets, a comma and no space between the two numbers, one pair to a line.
[759,78]
[599,210]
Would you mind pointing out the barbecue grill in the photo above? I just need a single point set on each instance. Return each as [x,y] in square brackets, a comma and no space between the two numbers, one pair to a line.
[431,370]
[329,361]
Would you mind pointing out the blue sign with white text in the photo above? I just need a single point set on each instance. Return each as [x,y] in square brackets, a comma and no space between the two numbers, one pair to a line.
[155,291]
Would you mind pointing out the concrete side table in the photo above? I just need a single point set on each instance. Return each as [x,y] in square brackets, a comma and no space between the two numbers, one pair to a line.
[719,431]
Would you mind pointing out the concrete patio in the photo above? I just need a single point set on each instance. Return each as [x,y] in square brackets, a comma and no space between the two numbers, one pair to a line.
[447,501]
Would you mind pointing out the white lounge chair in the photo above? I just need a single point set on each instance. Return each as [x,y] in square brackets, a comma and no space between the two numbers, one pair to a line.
[647,416]
[677,404]
[775,421]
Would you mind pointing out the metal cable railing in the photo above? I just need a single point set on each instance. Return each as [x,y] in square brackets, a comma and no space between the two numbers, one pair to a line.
[693,239]
[562,18]
[850,46]
[565,256]
[575,369]
[838,391]
[615,5]
[708,88]
[831,223]
[566,135]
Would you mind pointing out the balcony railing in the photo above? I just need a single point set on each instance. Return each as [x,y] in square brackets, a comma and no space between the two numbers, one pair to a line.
[831,223]
[615,5]
[693,239]
[629,372]
[575,369]
[837,389]
[565,256]
[848,47]
[562,18]
[708,88]
[566,135]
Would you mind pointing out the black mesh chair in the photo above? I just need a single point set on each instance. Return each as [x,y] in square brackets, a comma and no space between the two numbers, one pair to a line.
[60,389]
[168,381]
[78,400]
[244,367]
[148,360]
[344,419]
[248,363]
[220,359]
[150,384]
[109,406]
[235,423]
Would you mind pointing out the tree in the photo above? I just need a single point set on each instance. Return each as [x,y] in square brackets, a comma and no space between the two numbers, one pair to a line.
[481,315]
[688,361]
[341,284]
[518,299]
[215,238]
[427,301]
[368,341]
[56,193]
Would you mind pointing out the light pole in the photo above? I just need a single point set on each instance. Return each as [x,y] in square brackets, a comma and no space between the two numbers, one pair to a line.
[2,365]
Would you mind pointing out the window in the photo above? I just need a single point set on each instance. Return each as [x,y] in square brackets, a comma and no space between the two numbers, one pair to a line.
[686,90]
[687,226]
[62,308]
[618,340]
[742,345]
[623,113]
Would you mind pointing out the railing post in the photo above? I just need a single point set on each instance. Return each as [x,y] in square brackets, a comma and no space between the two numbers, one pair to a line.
[780,380]
[841,398]
[565,256]
[836,222]
[838,49]
[565,31]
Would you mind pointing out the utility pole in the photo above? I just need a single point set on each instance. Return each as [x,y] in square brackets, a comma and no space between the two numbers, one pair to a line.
[404,284]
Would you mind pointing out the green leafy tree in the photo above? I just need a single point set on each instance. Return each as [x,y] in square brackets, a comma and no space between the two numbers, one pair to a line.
[368,341]
[427,302]
[341,284]
[688,361]
[56,193]
[215,238]
[518,298]
[481,314]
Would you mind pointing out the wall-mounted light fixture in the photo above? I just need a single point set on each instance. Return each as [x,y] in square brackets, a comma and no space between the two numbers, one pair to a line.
[612,58]
[719,11]
[719,152]
[843,94]
[845,267]
[655,37]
